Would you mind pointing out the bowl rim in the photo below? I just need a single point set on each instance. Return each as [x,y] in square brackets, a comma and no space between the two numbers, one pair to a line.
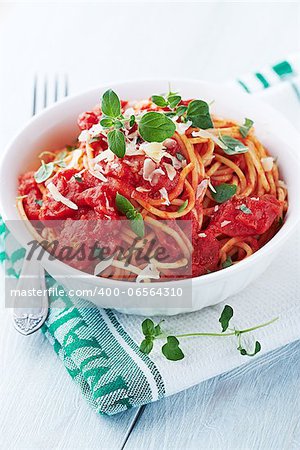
[277,240]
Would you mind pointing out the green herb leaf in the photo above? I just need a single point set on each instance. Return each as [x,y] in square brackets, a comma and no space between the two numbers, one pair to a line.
[173,100]
[156,127]
[181,110]
[78,178]
[123,205]
[233,146]
[94,139]
[39,202]
[180,157]
[148,327]
[223,192]
[225,317]
[183,206]
[146,345]
[71,148]
[244,352]
[137,225]
[118,124]
[159,100]
[110,104]
[198,113]
[171,349]
[227,262]
[44,172]
[136,219]
[157,330]
[245,209]
[132,121]
[116,142]
[245,128]
[106,122]
[170,113]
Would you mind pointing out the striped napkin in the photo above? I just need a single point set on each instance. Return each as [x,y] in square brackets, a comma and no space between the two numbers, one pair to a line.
[100,348]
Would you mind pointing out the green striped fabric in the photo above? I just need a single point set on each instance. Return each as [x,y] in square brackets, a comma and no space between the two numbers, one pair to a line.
[98,353]
[285,70]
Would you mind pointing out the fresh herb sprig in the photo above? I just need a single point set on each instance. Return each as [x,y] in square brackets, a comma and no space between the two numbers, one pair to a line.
[156,127]
[171,349]
[197,111]
[232,146]
[133,215]
[45,170]
[115,121]
[245,209]
[246,127]
[227,263]
[223,192]
[153,126]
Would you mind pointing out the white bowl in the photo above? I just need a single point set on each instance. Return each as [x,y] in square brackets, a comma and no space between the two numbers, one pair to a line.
[56,126]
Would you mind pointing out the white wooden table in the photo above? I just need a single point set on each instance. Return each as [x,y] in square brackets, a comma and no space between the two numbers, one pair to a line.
[256,407]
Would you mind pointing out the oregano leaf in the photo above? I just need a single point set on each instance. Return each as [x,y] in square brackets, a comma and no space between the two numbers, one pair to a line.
[225,317]
[116,142]
[156,127]
[110,104]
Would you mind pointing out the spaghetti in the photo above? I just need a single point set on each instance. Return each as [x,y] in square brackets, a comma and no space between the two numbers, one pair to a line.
[210,197]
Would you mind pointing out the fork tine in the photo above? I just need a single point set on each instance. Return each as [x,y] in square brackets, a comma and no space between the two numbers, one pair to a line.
[34,95]
[56,89]
[66,85]
[45,92]
[48,90]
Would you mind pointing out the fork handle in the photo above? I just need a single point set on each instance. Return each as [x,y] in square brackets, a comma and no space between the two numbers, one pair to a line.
[30,312]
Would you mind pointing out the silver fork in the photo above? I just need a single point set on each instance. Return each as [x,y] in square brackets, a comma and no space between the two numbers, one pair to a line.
[29,319]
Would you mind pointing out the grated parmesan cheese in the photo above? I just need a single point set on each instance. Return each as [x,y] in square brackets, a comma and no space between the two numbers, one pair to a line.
[150,271]
[267,163]
[98,174]
[165,196]
[107,204]
[148,168]
[211,187]
[106,156]
[95,130]
[142,189]
[154,150]
[201,188]
[102,265]
[180,126]
[225,222]
[216,208]
[84,136]
[175,162]
[129,112]
[150,171]
[131,149]
[171,172]
[59,197]
[207,135]
[202,235]
[87,135]
[75,158]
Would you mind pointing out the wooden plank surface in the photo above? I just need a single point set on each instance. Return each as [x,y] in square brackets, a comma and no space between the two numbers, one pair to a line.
[40,405]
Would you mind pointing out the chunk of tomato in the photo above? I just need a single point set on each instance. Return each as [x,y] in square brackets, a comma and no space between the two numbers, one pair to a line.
[246,217]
